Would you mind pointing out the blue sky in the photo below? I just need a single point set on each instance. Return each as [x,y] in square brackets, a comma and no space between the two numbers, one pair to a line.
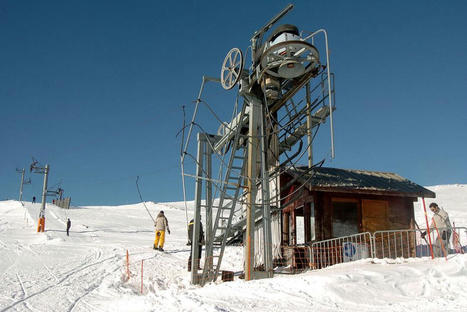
[95,88]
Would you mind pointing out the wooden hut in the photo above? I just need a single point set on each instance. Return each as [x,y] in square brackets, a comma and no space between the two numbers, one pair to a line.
[323,203]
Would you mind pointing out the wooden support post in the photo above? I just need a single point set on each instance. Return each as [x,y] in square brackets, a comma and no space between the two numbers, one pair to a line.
[294,226]
[307,221]
[286,229]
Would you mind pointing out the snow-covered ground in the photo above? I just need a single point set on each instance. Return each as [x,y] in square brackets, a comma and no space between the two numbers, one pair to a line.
[86,271]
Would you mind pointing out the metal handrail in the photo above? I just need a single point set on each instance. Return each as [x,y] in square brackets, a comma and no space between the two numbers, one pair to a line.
[394,243]
[332,253]
[400,236]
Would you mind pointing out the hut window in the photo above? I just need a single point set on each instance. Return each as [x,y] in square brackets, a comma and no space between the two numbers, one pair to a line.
[344,218]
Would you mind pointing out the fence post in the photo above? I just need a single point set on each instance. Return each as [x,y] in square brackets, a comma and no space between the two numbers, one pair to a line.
[456,240]
[310,257]
[372,243]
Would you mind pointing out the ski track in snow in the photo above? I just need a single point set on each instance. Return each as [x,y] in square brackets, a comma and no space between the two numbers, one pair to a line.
[86,271]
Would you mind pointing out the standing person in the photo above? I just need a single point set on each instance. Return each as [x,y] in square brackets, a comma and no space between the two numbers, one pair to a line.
[160,225]
[200,242]
[68,226]
[441,222]
[34,199]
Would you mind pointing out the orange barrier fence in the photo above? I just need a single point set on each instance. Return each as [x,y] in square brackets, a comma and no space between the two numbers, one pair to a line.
[133,272]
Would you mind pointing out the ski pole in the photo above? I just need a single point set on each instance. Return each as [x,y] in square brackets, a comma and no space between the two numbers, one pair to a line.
[416,224]
[421,233]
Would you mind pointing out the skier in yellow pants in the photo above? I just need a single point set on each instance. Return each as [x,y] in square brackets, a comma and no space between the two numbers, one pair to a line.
[161,224]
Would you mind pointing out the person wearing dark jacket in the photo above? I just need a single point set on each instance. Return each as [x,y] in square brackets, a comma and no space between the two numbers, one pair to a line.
[200,242]
[68,226]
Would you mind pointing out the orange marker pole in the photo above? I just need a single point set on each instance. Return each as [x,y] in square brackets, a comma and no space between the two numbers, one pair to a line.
[41,224]
[440,240]
[127,265]
[142,276]
[428,228]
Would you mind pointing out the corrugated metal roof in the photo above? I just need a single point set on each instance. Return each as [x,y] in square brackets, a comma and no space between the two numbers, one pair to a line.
[361,181]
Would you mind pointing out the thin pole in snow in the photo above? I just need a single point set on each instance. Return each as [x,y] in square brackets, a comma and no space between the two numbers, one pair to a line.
[428,228]
[440,240]
[127,265]
[142,275]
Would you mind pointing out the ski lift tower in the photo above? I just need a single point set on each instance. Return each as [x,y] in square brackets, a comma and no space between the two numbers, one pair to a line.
[287,91]
[36,168]
[23,182]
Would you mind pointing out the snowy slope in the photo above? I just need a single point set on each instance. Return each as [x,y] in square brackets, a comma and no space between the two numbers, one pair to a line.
[85,272]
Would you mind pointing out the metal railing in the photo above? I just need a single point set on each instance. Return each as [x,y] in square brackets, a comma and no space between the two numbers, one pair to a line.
[411,244]
[394,243]
[390,244]
[408,243]
[342,249]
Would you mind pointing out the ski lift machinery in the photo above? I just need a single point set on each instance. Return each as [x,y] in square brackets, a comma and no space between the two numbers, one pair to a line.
[287,91]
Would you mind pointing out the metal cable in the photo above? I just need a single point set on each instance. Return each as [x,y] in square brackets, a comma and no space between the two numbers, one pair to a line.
[141,197]
[181,162]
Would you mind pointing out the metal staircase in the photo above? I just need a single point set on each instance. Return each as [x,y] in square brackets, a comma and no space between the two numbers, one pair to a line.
[295,115]
[231,191]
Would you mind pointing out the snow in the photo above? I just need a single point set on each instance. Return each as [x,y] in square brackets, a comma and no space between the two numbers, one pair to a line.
[86,271]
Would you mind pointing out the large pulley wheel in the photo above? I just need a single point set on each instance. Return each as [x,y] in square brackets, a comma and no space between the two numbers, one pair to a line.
[231,68]
[290,59]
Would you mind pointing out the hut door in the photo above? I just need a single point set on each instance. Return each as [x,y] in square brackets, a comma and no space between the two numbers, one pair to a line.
[374,215]
[344,217]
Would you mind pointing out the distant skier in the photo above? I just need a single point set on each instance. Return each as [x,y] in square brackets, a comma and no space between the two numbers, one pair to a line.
[34,199]
[441,222]
[160,225]
[68,226]
[200,242]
